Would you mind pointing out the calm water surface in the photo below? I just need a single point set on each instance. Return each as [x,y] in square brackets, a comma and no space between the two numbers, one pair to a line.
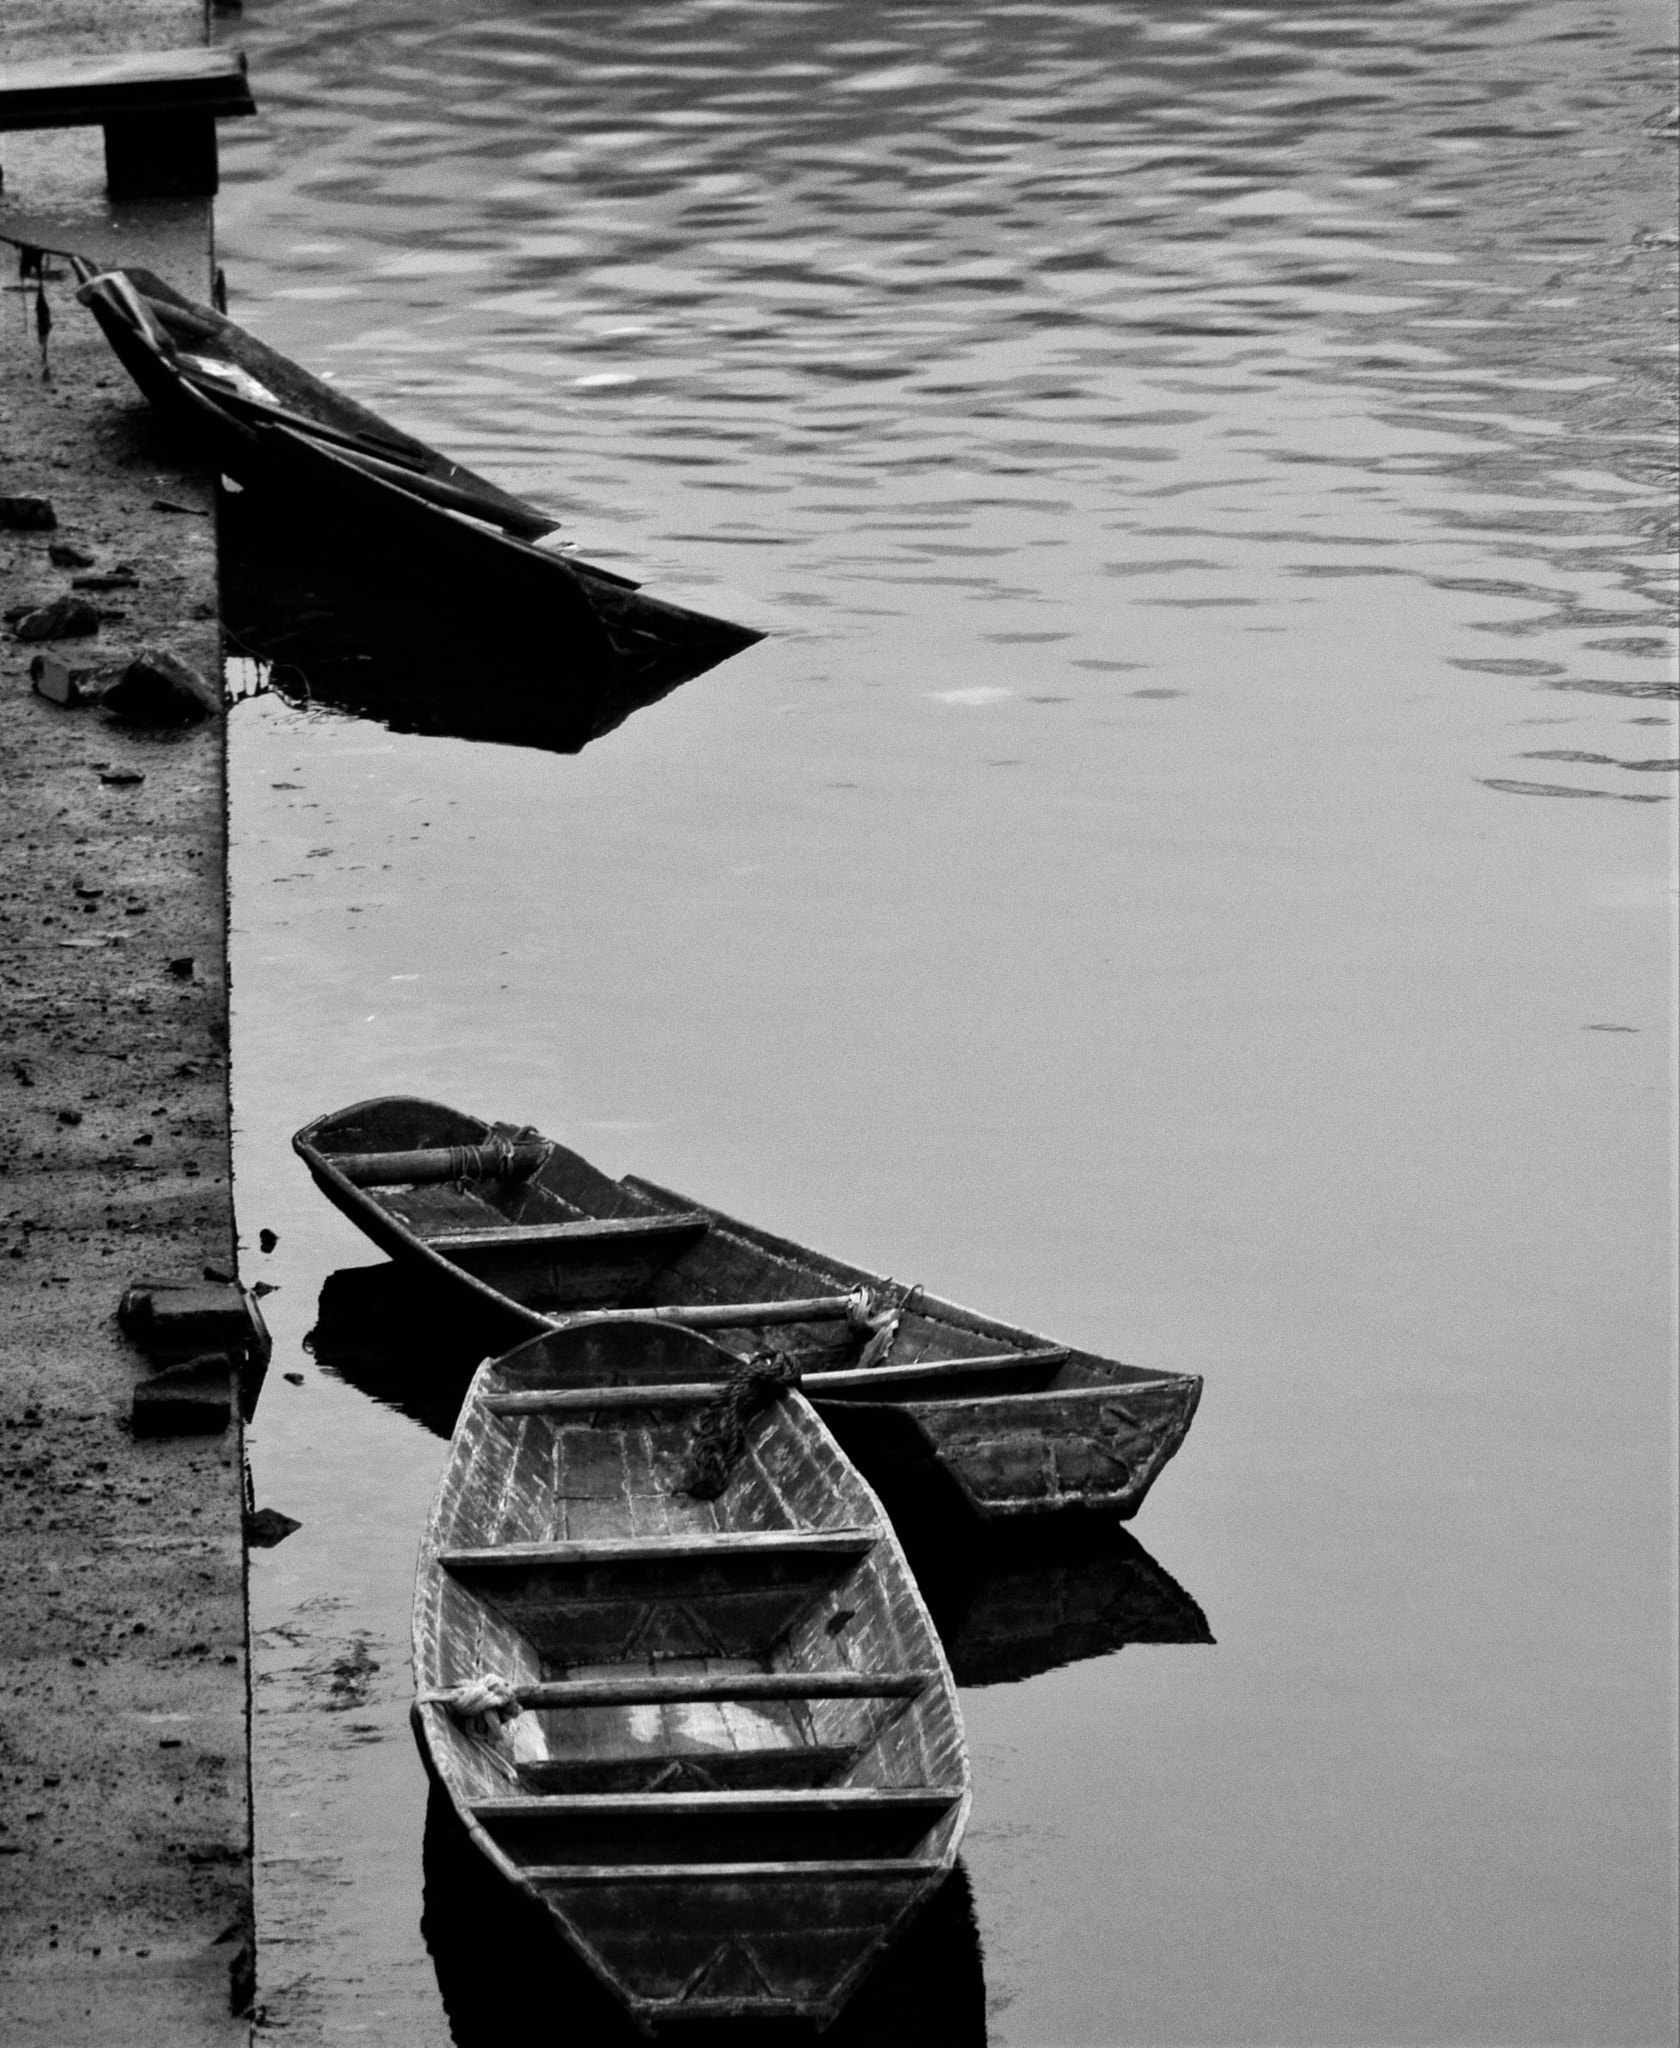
[1191,871]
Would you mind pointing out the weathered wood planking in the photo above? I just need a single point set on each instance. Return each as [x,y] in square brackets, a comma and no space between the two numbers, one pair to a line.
[1018,1426]
[740,1769]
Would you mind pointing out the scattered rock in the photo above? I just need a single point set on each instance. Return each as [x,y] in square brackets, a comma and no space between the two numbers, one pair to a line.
[113,579]
[173,1319]
[158,688]
[267,1240]
[265,1527]
[182,969]
[28,515]
[121,778]
[69,1116]
[194,1399]
[58,682]
[293,1378]
[66,618]
[64,554]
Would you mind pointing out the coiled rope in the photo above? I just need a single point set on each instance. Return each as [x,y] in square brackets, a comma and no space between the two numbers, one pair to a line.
[494,1161]
[719,1436]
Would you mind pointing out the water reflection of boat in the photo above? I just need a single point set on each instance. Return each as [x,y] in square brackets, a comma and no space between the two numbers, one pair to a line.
[1015,1600]
[403,1344]
[678,1680]
[530,645]
[505,1971]
[1009,1599]
[523,1230]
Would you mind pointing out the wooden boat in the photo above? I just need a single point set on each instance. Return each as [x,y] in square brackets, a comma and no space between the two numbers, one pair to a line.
[737,1767]
[578,645]
[525,1232]
[1010,1598]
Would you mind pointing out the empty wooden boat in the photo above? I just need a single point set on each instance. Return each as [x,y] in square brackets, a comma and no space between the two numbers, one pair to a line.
[527,1232]
[736,1769]
[579,645]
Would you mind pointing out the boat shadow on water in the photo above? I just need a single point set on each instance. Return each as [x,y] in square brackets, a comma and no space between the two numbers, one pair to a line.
[342,630]
[1010,1599]
[501,1963]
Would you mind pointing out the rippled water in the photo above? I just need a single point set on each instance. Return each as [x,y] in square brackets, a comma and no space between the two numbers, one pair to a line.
[1191,871]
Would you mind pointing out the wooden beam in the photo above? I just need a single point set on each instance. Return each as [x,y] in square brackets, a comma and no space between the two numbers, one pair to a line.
[892,1381]
[739,1543]
[588,1400]
[776,1803]
[823,1872]
[528,1236]
[723,1315]
[653,1690]
[88,92]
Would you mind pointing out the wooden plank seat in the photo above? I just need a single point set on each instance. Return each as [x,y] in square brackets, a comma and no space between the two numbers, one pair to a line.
[643,1689]
[86,92]
[807,1764]
[688,1874]
[715,1827]
[769,1546]
[939,1377]
[667,1234]
[889,1382]
[606,1400]
[659,1597]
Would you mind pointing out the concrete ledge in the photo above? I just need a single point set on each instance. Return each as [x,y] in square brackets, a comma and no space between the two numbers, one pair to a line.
[125,1850]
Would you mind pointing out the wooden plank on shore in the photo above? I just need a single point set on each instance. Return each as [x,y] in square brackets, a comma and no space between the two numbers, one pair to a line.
[85,92]
[650,1689]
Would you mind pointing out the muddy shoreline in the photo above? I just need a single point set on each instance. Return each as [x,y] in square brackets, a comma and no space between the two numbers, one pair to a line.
[125,1896]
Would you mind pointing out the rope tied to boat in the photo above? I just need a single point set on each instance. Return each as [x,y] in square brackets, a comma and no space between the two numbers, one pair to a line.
[719,1436]
[482,1706]
[495,1161]
[877,1316]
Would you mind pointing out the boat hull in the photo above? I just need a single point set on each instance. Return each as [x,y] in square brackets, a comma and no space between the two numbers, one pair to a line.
[1015,1425]
[570,647]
